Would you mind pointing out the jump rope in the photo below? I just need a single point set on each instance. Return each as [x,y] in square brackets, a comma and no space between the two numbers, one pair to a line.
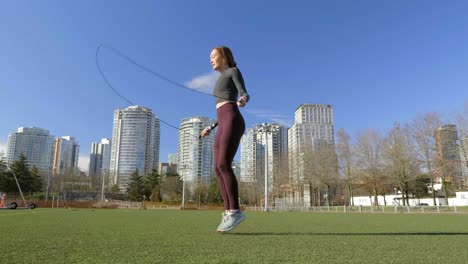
[148,70]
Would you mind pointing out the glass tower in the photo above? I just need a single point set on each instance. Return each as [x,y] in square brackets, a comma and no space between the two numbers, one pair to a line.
[195,156]
[66,153]
[135,144]
[99,159]
[36,144]
[313,125]
[271,137]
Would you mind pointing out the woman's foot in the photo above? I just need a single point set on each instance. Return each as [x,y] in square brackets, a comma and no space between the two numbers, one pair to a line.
[231,222]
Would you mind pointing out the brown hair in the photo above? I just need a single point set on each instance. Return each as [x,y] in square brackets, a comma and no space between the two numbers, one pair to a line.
[227,56]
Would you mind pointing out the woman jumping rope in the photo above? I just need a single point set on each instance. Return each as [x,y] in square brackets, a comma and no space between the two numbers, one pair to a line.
[230,93]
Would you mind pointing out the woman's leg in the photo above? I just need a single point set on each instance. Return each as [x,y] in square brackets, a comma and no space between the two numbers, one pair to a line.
[227,147]
[219,176]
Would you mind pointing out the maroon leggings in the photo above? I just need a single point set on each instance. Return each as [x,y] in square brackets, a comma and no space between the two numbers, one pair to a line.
[231,127]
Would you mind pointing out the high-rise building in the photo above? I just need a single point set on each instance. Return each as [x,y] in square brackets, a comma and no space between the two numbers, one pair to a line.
[448,151]
[271,138]
[135,144]
[36,144]
[172,158]
[236,168]
[65,157]
[313,125]
[195,156]
[250,160]
[167,168]
[99,159]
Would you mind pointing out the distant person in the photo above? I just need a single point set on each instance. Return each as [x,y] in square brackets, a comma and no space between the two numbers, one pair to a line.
[2,199]
[230,93]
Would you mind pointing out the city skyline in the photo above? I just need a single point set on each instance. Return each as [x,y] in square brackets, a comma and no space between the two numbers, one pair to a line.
[376,63]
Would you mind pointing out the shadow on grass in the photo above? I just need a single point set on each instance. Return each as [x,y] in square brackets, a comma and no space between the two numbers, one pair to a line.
[348,234]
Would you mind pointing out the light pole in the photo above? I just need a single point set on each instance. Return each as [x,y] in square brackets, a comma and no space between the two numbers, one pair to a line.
[266,128]
[183,191]
[184,177]
[102,188]
[266,169]
[47,188]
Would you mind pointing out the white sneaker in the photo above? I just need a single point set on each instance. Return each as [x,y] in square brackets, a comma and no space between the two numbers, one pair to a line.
[231,222]
[223,220]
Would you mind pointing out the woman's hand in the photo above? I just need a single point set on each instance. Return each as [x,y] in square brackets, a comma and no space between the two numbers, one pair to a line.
[205,132]
[242,101]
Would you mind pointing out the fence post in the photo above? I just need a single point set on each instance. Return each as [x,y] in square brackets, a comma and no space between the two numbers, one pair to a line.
[360,208]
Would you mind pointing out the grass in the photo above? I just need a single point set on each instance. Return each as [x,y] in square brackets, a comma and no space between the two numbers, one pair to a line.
[172,236]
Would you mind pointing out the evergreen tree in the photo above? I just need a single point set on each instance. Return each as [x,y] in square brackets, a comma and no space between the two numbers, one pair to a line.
[20,168]
[115,189]
[136,187]
[153,186]
[37,185]
[7,182]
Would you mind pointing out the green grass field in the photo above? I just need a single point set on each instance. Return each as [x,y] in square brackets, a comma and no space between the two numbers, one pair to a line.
[173,236]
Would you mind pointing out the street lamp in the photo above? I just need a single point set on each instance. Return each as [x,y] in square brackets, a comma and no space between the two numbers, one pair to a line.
[266,170]
[186,170]
[266,128]
[47,188]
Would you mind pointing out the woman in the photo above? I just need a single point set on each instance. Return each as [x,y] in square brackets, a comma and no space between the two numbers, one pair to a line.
[230,93]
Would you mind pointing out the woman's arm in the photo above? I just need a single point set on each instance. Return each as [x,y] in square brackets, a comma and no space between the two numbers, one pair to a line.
[207,130]
[238,80]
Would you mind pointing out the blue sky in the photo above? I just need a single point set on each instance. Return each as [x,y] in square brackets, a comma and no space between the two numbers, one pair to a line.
[375,62]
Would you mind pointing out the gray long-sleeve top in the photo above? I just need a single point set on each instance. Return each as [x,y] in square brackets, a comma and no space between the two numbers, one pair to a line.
[230,85]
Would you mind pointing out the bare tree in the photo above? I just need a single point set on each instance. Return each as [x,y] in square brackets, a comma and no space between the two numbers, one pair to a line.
[281,180]
[422,130]
[369,153]
[325,169]
[462,124]
[346,162]
[445,169]
[171,188]
[401,159]
[310,182]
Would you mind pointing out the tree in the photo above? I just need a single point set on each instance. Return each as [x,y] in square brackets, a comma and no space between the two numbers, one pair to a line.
[37,184]
[346,162]
[7,182]
[369,153]
[214,195]
[422,130]
[136,186]
[401,160]
[420,186]
[20,168]
[153,186]
[281,182]
[325,168]
[462,124]
[171,188]
[445,169]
